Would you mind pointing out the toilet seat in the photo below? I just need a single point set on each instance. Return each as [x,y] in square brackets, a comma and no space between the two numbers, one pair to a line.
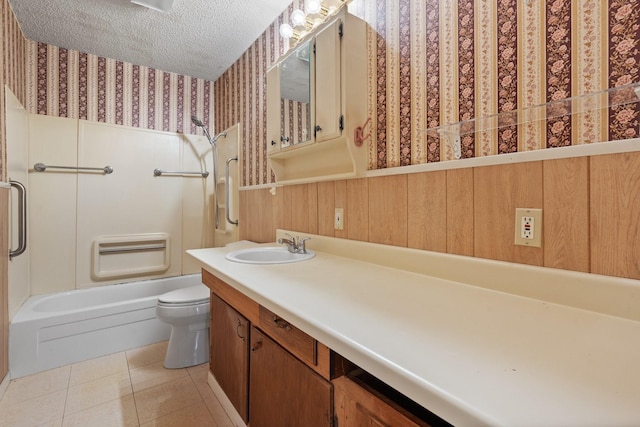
[192,295]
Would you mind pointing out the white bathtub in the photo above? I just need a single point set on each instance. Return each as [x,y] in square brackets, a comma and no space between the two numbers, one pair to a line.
[68,327]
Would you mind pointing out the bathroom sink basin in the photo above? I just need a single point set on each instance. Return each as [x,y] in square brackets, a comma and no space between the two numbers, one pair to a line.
[267,255]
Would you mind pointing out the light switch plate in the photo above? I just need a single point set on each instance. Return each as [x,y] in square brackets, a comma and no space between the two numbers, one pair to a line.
[528,227]
[338,219]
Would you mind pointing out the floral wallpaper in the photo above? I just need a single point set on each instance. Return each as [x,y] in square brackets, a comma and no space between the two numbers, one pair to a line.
[507,66]
[466,71]
[12,71]
[433,62]
[432,77]
[559,69]
[381,86]
[68,83]
[624,34]
[404,81]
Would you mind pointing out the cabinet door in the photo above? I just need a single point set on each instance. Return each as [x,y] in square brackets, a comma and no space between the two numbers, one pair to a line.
[229,360]
[283,391]
[328,108]
[273,109]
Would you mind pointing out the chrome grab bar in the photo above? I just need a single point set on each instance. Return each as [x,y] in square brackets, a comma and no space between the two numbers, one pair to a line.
[22,219]
[226,188]
[41,167]
[158,172]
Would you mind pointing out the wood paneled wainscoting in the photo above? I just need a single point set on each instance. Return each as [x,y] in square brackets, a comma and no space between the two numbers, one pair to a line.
[591,207]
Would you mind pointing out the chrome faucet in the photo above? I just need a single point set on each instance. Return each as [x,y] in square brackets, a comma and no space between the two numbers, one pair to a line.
[295,246]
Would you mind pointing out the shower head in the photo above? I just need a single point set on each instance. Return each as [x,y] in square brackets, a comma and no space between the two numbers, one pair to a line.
[196,121]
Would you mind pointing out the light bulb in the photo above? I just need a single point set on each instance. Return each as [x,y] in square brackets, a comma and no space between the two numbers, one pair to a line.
[313,6]
[298,18]
[286,31]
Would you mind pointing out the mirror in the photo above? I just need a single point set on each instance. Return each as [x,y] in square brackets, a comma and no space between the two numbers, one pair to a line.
[295,96]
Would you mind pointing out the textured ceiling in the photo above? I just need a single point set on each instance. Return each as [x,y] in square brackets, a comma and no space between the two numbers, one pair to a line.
[198,38]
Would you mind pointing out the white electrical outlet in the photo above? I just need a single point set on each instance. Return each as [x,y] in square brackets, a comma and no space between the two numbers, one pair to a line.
[338,219]
[528,227]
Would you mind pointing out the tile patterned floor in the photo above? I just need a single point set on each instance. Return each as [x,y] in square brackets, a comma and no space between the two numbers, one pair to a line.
[130,388]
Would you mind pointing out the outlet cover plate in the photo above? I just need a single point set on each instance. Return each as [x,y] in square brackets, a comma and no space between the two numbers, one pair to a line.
[528,227]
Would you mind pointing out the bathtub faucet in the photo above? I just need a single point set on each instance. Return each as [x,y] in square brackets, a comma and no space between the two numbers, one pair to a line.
[295,246]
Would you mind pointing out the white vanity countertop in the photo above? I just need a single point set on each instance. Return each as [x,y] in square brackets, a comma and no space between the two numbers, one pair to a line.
[472,355]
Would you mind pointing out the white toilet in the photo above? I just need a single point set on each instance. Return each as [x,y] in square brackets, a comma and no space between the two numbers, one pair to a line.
[187,311]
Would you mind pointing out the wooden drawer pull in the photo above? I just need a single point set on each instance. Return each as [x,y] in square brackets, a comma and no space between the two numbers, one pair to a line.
[256,346]
[281,323]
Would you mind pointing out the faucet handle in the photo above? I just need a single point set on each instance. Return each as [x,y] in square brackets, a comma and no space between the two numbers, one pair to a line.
[302,248]
[290,242]
[293,239]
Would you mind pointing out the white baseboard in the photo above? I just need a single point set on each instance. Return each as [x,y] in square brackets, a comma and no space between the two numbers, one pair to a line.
[5,384]
[226,404]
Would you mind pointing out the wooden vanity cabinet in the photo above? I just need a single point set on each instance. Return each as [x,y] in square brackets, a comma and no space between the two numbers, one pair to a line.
[272,372]
[229,355]
[283,391]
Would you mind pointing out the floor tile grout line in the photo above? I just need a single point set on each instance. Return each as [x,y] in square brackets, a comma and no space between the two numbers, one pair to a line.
[35,397]
[215,396]
[194,374]
[66,396]
[164,383]
[135,404]
[65,414]
[97,404]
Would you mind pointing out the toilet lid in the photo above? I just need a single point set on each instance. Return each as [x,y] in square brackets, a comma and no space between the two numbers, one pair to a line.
[191,294]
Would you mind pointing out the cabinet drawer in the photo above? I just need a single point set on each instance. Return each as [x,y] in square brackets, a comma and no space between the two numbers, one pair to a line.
[361,399]
[288,336]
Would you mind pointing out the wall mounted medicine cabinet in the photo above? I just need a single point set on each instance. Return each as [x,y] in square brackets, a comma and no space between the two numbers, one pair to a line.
[316,98]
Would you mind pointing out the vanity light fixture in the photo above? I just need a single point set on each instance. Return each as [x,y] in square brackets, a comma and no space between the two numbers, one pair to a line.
[300,26]
[159,5]
[298,18]
[316,12]
[287,32]
[314,7]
